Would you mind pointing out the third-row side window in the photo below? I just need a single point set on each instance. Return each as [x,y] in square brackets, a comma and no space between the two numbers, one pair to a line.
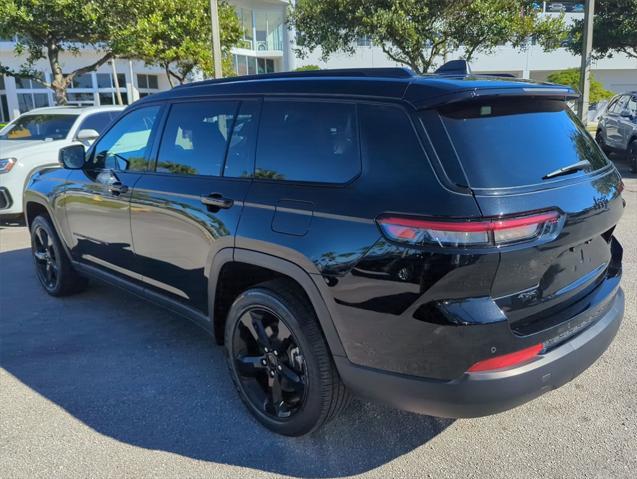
[312,141]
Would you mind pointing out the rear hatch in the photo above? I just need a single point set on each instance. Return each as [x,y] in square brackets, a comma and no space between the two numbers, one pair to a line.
[531,155]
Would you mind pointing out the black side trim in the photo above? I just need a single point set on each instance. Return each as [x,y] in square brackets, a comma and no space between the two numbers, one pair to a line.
[192,314]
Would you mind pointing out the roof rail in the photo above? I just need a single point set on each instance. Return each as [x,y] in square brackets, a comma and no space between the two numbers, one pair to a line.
[497,75]
[391,72]
[454,67]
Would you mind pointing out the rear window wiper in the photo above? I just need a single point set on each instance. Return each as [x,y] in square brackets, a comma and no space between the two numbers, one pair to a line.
[565,170]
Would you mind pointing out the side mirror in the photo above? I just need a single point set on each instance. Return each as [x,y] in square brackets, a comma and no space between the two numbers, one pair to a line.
[626,114]
[72,157]
[87,135]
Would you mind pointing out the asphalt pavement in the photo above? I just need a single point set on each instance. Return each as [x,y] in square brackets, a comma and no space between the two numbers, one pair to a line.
[103,384]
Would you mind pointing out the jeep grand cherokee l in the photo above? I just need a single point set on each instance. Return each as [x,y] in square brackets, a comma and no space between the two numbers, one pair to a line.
[443,243]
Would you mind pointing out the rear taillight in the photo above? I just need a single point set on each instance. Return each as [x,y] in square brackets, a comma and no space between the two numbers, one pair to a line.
[507,360]
[491,232]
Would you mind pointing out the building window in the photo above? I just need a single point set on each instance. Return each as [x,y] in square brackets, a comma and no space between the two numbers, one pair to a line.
[88,88]
[31,94]
[106,91]
[28,84]
[105,80]
[245,19]
[83,81]
[246,65]
[147,82]
[80,98]
[265,65]
[29,101]
[110,98]
[268,28]
[4,106]
[4,109]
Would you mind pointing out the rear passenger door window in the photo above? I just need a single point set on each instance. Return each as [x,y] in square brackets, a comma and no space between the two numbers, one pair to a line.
[195,138]
[309,141]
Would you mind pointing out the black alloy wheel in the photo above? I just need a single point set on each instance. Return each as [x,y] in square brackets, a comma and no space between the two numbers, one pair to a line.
[52,266]
[280,361]
[46,258]
[269,363]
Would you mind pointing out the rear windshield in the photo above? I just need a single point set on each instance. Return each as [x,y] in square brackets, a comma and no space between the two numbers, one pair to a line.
[517,142]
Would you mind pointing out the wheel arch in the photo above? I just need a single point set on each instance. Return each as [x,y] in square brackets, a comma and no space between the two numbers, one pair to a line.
[35,204]
[33,207]
[253,267]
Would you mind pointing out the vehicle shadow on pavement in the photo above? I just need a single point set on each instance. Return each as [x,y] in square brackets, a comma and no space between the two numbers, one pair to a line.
[143,376]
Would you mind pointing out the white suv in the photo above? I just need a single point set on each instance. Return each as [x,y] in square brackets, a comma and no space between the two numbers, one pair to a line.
[32,141]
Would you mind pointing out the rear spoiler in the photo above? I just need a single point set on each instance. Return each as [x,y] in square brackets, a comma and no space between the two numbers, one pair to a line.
[528,91]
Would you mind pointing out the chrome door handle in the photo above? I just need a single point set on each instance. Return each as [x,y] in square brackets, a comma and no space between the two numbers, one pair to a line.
[217,201]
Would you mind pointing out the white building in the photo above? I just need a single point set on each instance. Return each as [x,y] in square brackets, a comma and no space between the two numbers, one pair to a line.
[268,46]
[135,80]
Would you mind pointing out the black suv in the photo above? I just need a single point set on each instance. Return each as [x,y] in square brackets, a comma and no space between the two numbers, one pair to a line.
[443,243]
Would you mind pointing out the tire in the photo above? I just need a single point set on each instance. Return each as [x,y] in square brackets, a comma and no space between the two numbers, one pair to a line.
[631,155]
[288,349]
[52,266]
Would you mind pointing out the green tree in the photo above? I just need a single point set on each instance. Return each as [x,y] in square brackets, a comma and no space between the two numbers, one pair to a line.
[570,78]
[614,29]
[176,36]
[482,25]
[46,28]
[417,33]
[171,33]
[307,68]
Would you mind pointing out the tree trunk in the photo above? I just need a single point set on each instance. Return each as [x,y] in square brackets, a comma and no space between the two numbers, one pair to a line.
[58,83]
[170,80]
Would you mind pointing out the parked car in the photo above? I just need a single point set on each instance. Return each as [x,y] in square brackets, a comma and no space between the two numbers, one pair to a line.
[555,7]
[443,243]
[595,112]
[617,127]
[33,141]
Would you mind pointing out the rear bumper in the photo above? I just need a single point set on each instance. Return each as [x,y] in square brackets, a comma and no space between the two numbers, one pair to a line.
[481,394]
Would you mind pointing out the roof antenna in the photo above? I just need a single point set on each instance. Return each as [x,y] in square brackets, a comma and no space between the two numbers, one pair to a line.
[454,67]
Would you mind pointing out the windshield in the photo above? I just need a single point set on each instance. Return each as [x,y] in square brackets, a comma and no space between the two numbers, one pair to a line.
[39,127]
[517,142]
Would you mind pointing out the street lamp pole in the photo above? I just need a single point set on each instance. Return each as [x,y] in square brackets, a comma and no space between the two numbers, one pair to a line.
[216,39]
[585,69]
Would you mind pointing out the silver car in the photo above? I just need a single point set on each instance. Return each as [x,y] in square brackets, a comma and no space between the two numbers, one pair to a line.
[617,128]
